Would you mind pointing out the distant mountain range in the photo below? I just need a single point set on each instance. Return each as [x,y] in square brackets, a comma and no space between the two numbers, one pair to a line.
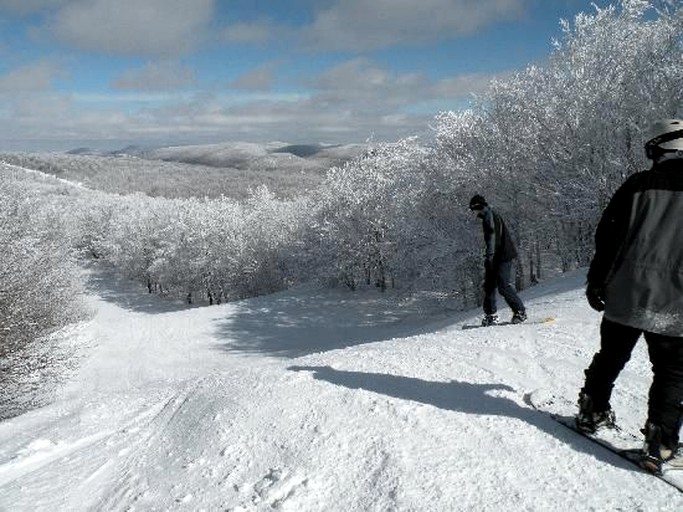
[243,155]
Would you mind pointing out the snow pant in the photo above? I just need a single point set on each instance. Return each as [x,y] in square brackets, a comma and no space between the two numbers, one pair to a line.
[665,404]
[499,278]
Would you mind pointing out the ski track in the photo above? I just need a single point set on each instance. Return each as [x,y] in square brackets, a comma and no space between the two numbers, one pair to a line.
[172,411]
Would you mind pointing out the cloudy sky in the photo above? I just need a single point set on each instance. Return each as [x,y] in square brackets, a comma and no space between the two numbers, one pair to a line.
[106,73]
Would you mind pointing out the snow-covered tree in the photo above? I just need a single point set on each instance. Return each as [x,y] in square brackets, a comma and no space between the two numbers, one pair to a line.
[40,293]
[551,143]
[361,211]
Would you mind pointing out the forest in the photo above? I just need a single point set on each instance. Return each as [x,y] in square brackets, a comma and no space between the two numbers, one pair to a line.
[547,147]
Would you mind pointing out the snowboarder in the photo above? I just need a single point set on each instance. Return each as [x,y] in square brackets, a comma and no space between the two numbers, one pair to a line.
[500,252]
[636,278]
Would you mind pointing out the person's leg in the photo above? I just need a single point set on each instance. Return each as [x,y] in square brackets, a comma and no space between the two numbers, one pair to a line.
[506,289]
[665,404]
[490,306]
[616,344]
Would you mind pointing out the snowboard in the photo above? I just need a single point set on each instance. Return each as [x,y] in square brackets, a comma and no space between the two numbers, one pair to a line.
[547,320]
[625,444]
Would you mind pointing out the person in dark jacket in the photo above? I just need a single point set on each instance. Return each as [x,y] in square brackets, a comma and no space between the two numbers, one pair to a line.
[500,252]
[636,278]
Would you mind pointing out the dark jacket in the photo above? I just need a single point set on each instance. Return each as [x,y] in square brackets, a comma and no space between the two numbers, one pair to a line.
[499,244]
[639,251]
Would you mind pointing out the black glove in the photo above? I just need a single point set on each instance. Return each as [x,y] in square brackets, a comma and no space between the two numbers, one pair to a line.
[596,297]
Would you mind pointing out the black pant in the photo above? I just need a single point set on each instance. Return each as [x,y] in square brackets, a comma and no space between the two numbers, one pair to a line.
[666,392]
[499,277]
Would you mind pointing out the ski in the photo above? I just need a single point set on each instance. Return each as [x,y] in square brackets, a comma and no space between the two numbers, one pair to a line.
[625,444]
[547,320]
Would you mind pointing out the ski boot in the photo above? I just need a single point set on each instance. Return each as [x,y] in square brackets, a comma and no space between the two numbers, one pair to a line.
[589,420]
[676,460]
[489,320]
[656,452]
[519,317]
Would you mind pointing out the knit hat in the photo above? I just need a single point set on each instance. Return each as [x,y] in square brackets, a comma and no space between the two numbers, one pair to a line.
[478,202]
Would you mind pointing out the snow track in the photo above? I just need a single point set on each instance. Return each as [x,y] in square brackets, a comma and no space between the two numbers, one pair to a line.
[306,401]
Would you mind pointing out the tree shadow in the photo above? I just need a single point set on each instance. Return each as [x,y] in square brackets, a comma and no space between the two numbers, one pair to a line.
[291,325]
[464,397]
[308,320]
[127,294]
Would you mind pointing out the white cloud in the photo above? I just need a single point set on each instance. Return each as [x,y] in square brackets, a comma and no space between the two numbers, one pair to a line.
[348,102]
[361,84]
[149,27]
[259,79]
[69,122]
[156,76]
[464,85]
[31,111]
[249,33]
[293,121]
[359,25]
[37,76]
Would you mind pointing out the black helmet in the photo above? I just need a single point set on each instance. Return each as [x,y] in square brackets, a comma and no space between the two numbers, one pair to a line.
[478,202]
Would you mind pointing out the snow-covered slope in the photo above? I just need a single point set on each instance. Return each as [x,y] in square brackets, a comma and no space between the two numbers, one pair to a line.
[316,400]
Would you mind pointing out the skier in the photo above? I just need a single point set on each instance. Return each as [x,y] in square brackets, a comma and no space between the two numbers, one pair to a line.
[636,278]
[500,252]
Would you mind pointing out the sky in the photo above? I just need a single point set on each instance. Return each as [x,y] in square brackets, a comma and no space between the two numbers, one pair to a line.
[107,73]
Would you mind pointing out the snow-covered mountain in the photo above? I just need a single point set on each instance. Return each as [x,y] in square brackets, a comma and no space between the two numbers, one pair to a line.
[229,169]
[275,155]
[243,155]
[313,400]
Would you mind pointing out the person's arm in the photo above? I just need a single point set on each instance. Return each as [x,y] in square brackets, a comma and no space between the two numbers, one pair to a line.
[610,234]
[489,236]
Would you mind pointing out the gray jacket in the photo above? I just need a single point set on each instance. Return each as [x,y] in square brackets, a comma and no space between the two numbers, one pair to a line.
[639,251]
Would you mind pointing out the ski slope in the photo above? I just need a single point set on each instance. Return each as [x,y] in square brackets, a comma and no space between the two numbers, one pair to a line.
[318,400]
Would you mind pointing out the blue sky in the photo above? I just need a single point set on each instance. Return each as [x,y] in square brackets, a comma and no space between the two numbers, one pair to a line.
[106,73]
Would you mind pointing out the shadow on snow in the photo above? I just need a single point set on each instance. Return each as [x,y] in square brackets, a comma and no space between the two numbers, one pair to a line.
[299,322]
[464,397]
[292,325]
[127,294]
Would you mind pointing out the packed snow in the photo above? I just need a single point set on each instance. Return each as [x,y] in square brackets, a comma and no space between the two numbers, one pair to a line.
[312,400]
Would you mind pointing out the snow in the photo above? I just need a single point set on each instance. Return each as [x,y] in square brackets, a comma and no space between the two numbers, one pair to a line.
[312,400]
